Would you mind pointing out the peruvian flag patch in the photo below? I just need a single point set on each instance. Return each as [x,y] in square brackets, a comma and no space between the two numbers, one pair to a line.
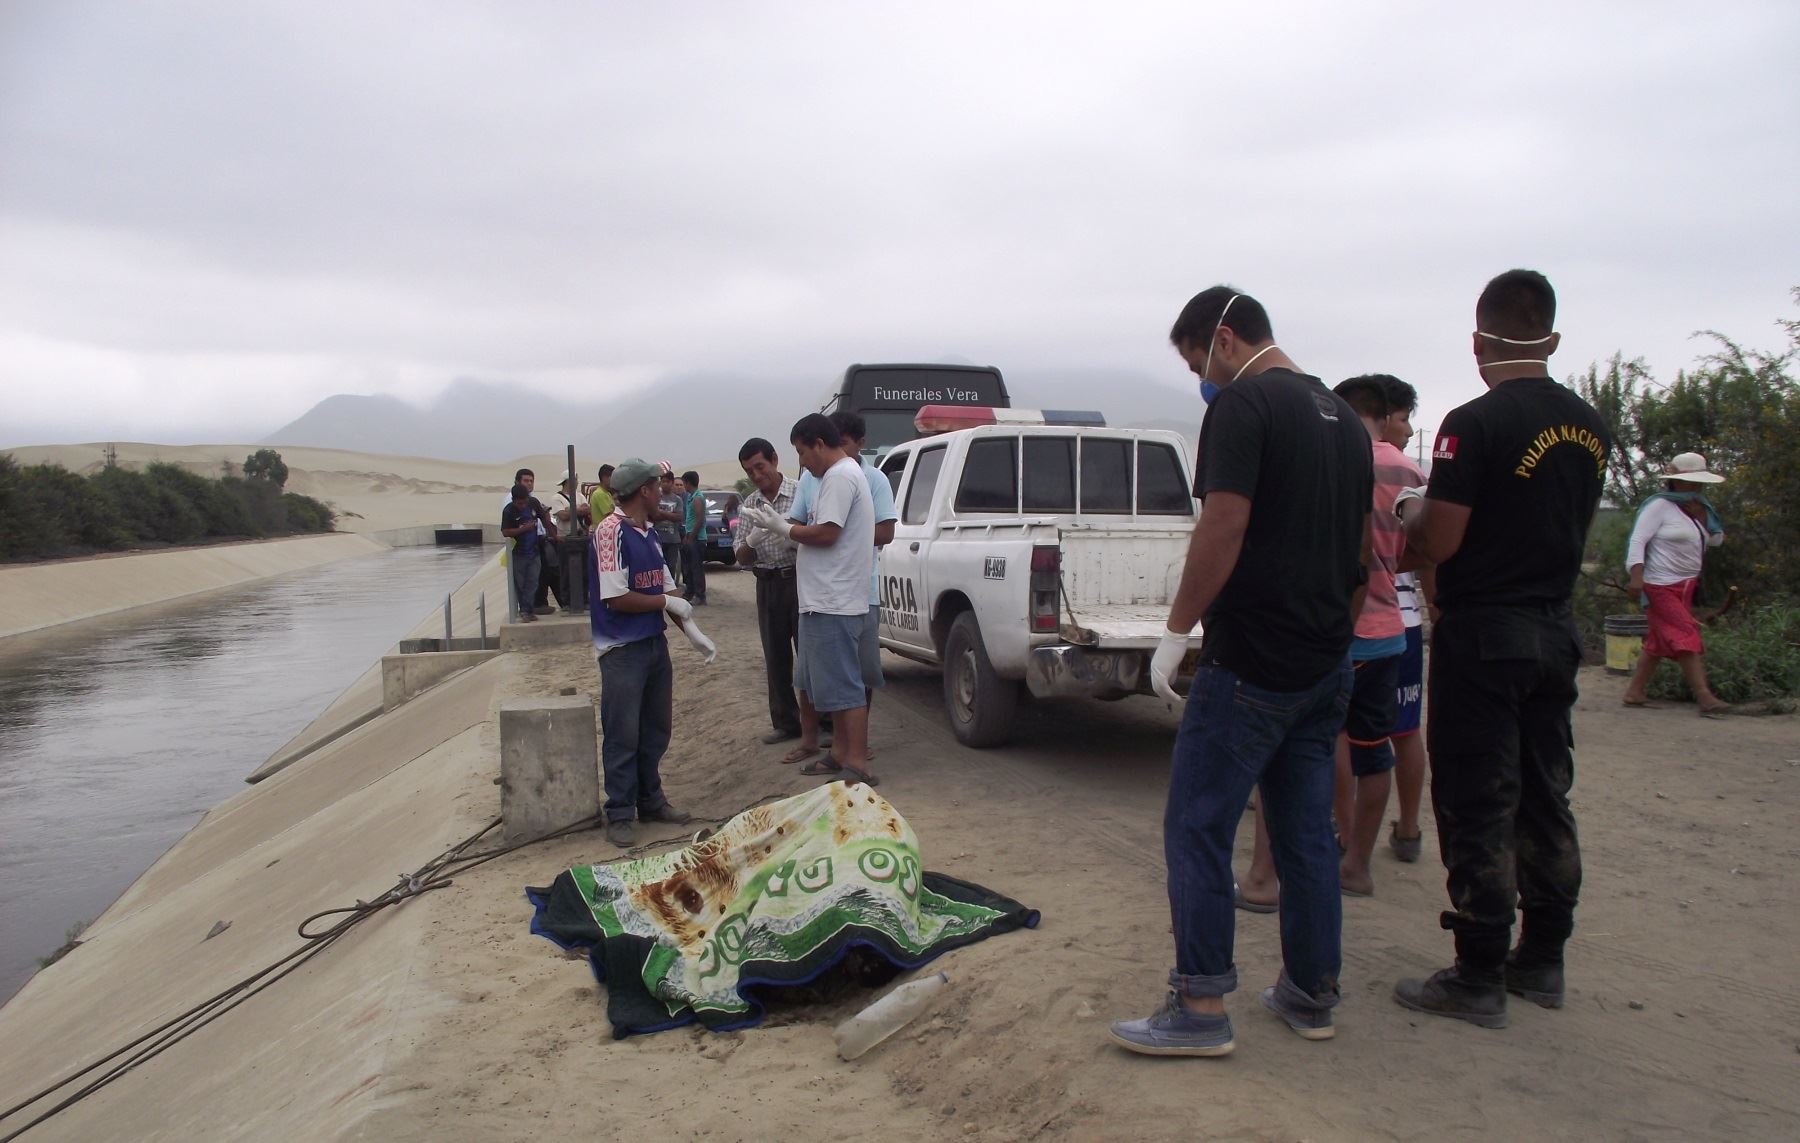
[1445,449]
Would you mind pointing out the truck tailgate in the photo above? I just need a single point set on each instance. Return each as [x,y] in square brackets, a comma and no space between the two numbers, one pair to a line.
[1118,581]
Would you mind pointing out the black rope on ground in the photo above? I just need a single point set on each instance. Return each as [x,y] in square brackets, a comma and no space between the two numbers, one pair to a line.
[433,875]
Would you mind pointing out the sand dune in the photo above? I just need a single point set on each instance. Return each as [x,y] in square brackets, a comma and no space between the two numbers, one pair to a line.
[370,492]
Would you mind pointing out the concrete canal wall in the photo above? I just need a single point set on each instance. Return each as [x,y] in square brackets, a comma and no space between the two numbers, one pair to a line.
[37,596]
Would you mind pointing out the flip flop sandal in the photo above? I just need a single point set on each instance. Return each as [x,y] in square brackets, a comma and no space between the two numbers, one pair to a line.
[799,754]
[1249,906]
[863,776]
[1715,711]
[1644,704]
[823,768]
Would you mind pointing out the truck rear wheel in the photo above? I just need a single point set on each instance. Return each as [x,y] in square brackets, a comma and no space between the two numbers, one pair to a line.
[980,703]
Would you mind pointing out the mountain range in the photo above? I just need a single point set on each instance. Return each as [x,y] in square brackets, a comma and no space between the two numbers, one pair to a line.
[690,419]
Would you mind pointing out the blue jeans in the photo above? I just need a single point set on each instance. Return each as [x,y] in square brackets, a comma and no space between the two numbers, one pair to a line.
[525,570]
[1235,736]
[637,718]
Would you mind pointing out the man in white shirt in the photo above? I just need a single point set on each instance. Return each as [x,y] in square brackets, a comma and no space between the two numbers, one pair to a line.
[832,569]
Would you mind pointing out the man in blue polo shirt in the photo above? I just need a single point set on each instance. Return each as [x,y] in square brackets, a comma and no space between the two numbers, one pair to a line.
[632,585]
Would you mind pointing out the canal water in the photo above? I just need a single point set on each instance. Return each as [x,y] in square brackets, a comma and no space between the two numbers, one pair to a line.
[116,734]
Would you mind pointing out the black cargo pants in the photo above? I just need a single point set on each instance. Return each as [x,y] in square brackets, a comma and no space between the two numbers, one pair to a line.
[1501,688]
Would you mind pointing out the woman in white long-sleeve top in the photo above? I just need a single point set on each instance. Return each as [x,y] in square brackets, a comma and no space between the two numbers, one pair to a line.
[1668,543]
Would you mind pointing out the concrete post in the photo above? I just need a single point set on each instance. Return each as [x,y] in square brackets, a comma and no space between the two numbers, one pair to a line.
[549,765]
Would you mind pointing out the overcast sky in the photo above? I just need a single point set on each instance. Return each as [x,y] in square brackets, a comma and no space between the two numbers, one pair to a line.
[213,214]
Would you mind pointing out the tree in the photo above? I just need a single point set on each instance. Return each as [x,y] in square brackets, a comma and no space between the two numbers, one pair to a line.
[745,486]
[1741,408]
[266,464]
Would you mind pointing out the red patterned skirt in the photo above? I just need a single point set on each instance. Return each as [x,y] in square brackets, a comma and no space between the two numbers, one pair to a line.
[1673,628]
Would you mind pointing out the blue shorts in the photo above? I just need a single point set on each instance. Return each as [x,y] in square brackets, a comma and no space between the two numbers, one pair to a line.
[1412,683]
[828,670]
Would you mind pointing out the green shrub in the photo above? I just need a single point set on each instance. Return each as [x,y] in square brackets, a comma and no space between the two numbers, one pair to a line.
[304,514]
[48,511]
[1751,657]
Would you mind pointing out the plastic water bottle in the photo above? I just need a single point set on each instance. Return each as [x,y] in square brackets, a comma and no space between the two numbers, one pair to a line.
[888,1015]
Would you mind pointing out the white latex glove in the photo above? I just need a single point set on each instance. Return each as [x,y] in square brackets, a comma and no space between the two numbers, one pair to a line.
[768,519]
[1407,496]
[677,608]
[697,639]
[1165,662]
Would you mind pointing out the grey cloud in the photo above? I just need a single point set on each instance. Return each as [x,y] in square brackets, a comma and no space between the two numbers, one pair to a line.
[617,191]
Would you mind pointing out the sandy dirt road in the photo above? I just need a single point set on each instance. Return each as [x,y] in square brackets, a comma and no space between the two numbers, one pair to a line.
[1681,1021]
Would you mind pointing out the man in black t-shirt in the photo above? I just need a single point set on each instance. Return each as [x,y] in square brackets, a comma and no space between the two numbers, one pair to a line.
[1274,566]
[1516,478]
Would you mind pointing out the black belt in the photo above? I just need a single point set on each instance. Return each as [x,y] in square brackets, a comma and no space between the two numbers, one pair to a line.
[773,573]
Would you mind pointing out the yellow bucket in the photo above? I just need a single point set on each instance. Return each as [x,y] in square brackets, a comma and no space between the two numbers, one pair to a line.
[1624,642]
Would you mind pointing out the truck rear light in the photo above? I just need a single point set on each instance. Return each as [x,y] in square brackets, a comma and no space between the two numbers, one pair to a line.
[1046,587]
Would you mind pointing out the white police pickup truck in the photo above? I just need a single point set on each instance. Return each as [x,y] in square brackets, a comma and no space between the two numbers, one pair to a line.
[1034,550]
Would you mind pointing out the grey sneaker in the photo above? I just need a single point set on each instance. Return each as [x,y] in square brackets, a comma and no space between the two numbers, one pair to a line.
[1446,993]
[1307,1019]
[621,833]
[1542,986]
[667,813]
[1174,1031]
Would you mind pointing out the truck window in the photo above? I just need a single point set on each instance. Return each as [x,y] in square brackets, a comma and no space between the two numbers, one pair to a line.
[1105,475]
[990,476]
[924,485]
[1049,484]
[1161,491]
[893,468]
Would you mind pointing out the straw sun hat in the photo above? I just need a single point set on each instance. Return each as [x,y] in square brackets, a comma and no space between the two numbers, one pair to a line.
[1691,467]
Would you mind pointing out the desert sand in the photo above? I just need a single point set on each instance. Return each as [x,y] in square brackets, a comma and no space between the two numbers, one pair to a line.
[372,492]
[446,1019]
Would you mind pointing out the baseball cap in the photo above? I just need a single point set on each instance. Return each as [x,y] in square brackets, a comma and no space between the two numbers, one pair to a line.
[631,475]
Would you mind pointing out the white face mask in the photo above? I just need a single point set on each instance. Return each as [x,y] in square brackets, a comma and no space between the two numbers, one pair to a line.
[1205,385]
[1515,341]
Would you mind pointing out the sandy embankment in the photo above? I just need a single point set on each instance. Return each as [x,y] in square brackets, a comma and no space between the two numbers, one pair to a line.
[36,596]
[371,492]
[446,1020]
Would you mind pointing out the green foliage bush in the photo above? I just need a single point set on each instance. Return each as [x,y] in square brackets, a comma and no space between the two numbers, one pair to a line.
[1751,657]
[48,511]
[306,514]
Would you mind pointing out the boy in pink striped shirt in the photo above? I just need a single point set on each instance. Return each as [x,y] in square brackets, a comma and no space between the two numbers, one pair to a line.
[1365,752]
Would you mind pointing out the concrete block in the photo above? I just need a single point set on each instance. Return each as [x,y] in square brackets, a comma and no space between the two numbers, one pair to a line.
[549,631]
[549,765]
[403,676]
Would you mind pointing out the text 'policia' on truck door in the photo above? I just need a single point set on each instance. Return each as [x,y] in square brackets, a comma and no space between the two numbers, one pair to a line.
[905,600]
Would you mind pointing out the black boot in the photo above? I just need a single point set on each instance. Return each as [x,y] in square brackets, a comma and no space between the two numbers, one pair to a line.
[1449,993]
[1535,980]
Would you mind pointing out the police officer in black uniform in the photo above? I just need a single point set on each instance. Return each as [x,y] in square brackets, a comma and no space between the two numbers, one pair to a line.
[1516,478]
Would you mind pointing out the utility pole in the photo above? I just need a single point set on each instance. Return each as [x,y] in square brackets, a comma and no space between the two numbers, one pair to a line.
[111,455]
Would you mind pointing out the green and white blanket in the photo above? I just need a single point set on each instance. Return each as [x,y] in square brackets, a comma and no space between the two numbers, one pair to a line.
[776,897]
